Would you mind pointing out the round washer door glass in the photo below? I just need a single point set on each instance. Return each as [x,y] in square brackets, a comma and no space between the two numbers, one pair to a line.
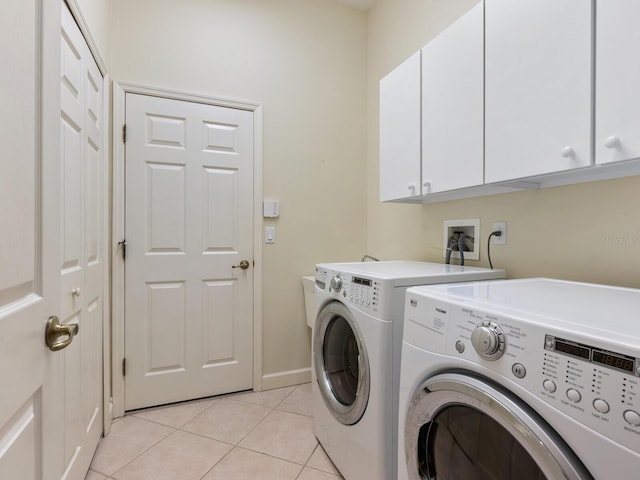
[341,363]
[463,442]
[463,427]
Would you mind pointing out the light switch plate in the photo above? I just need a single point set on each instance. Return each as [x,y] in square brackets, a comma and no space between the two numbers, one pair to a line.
[269,234]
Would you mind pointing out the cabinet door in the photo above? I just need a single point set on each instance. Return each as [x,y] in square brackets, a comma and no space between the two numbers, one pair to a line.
[538,87]
[400,131]
[452,106]
[617,81]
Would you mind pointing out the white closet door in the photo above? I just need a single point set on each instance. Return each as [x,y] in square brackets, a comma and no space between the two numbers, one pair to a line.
[81,270]
[538,70]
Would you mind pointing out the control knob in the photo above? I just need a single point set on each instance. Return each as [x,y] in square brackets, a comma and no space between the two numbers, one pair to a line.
[336,283]
[488,340]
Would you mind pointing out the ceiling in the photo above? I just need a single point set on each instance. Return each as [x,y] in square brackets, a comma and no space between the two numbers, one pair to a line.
[357,4]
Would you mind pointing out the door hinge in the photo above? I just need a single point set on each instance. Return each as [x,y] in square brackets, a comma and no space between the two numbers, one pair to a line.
[124,367]
[123,244]
[124,133]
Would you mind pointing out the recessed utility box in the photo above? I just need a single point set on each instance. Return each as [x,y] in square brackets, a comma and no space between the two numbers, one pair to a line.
[469,230]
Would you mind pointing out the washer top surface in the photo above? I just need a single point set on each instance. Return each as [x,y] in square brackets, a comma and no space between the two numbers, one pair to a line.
[405,273]
[606,311]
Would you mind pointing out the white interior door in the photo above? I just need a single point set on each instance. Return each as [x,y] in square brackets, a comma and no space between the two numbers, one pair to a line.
[188,221]
[79,403]
[28,274]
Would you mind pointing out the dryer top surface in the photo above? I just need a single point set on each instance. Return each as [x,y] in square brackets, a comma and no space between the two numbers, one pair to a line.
[611,311]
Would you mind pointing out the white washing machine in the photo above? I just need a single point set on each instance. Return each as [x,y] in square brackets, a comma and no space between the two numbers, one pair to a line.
[520,379]
[356,341]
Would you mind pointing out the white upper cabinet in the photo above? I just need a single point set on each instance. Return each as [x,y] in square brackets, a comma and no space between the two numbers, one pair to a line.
[452,106]
[538,70]
[400,131]
[617,135]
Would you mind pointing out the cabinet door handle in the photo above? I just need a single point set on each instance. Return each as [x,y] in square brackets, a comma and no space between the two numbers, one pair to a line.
[612,142]
[568,152]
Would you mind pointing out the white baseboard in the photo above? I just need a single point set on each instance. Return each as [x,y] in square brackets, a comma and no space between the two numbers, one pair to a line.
[286,379]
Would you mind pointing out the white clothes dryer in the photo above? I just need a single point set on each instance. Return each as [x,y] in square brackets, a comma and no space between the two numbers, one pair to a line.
[519,380]
[356,358]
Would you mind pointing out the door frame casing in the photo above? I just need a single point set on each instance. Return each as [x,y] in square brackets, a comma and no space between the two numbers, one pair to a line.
[120,89]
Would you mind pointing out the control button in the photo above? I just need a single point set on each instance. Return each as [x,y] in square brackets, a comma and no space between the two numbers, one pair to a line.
[549,386]
[632,417]
[460,346]
[574,395]
[344,294]
[362,301]
[518,370]
[548,343]
[601,406]
[357,298]
[368,301]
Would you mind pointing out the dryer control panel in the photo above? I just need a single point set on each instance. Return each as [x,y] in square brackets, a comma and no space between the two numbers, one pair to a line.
[593,380]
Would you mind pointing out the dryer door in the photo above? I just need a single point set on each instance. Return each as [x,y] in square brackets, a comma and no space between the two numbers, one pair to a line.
[341,363]
[463,427]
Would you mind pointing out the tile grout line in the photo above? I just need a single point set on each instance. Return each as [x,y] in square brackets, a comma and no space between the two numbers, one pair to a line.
[179,428]
[237,445]
[143,452]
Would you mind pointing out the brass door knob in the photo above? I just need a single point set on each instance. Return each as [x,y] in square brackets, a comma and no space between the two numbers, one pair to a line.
[244,264]
[54,330]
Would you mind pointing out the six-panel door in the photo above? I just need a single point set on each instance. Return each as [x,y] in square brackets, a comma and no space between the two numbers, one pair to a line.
[189,222]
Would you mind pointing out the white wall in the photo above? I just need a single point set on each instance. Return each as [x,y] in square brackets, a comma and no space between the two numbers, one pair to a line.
[97,15]
[305,61]
[587,232]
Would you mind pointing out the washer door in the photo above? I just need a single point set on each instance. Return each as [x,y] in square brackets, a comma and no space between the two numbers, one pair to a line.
[463,427]
[341,363]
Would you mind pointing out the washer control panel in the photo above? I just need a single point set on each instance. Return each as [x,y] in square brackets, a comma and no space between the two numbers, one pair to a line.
[589,379]
[367,294]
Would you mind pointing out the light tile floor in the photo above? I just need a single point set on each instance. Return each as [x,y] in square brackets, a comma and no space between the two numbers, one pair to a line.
[255,435]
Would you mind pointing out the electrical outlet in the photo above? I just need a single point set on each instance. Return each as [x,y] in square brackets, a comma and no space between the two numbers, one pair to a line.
[453,229]
[502,239]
